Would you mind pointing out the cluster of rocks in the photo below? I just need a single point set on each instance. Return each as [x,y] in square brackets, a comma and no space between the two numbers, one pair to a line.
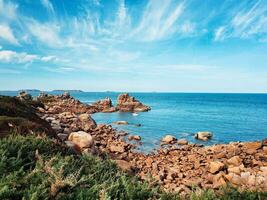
[74,125]
[56,104]
[178,167]
[126,103]
[104,105]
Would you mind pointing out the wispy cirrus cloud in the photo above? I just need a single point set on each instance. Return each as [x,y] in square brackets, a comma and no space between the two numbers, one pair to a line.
[249,20]
[9,56]
[48,5]
[6,34]
[158,20]
[8,10]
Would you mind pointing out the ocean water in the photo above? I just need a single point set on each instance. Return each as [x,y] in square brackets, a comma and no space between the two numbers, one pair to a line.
[231,117]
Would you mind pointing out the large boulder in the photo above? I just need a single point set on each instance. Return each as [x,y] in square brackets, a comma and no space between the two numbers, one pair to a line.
[87,122]
[126,103]
[182,142]
[203,135]
[82,140]
[215,166]
[168,139]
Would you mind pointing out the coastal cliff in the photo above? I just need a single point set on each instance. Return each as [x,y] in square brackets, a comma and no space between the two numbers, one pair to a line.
[176,167]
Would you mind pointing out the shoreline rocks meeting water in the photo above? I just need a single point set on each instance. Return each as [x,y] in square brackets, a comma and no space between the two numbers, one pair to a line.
[177,166]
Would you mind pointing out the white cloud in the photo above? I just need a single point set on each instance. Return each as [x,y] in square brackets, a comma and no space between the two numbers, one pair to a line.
[159,20]
[8,10]
[7,34]
[187,28]
[7,56]
[47,33]
[48,5]
[48,58]
[248,21]
[122,14]
[219,33]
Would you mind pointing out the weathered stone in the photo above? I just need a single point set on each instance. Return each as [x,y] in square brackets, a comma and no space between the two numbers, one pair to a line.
[134,137]
[251,180]
[252,147]
[235,161]
[126,103]
[215,166]
[235,170]
[218,180]
[117,148]
[81,139]
[168,139]
[233,178]
[244,177]
[121,123]
[203,135]
[182,142]
[85,117]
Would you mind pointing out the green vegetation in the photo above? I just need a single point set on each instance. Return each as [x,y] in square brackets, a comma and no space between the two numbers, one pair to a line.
[41,168]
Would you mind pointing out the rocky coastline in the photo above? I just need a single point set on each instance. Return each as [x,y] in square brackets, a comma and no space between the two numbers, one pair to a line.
[177,166]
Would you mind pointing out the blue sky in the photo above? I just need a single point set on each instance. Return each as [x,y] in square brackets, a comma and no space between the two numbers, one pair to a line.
[137,45]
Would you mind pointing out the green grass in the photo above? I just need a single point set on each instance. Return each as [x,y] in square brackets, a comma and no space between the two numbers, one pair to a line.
[41,168]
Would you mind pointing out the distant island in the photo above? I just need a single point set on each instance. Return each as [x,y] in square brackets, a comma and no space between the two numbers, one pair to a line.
[67,91]
[29,90]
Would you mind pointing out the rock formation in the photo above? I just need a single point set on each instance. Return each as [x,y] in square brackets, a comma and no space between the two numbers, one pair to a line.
[203,135]
[126,103]
[168,139]
[104,105]
[24,96]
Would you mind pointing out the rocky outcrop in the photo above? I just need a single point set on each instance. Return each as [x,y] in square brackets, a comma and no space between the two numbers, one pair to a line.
[134,137]
[56,104]
[24,96]
[121,123]
[168,139]
[203,136]
[126,103]
[104,105]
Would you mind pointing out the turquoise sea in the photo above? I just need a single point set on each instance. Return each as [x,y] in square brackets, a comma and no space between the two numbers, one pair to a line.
[231,117]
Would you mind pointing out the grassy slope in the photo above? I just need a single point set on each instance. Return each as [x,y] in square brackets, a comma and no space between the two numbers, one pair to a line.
[40,168]
[22,116]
